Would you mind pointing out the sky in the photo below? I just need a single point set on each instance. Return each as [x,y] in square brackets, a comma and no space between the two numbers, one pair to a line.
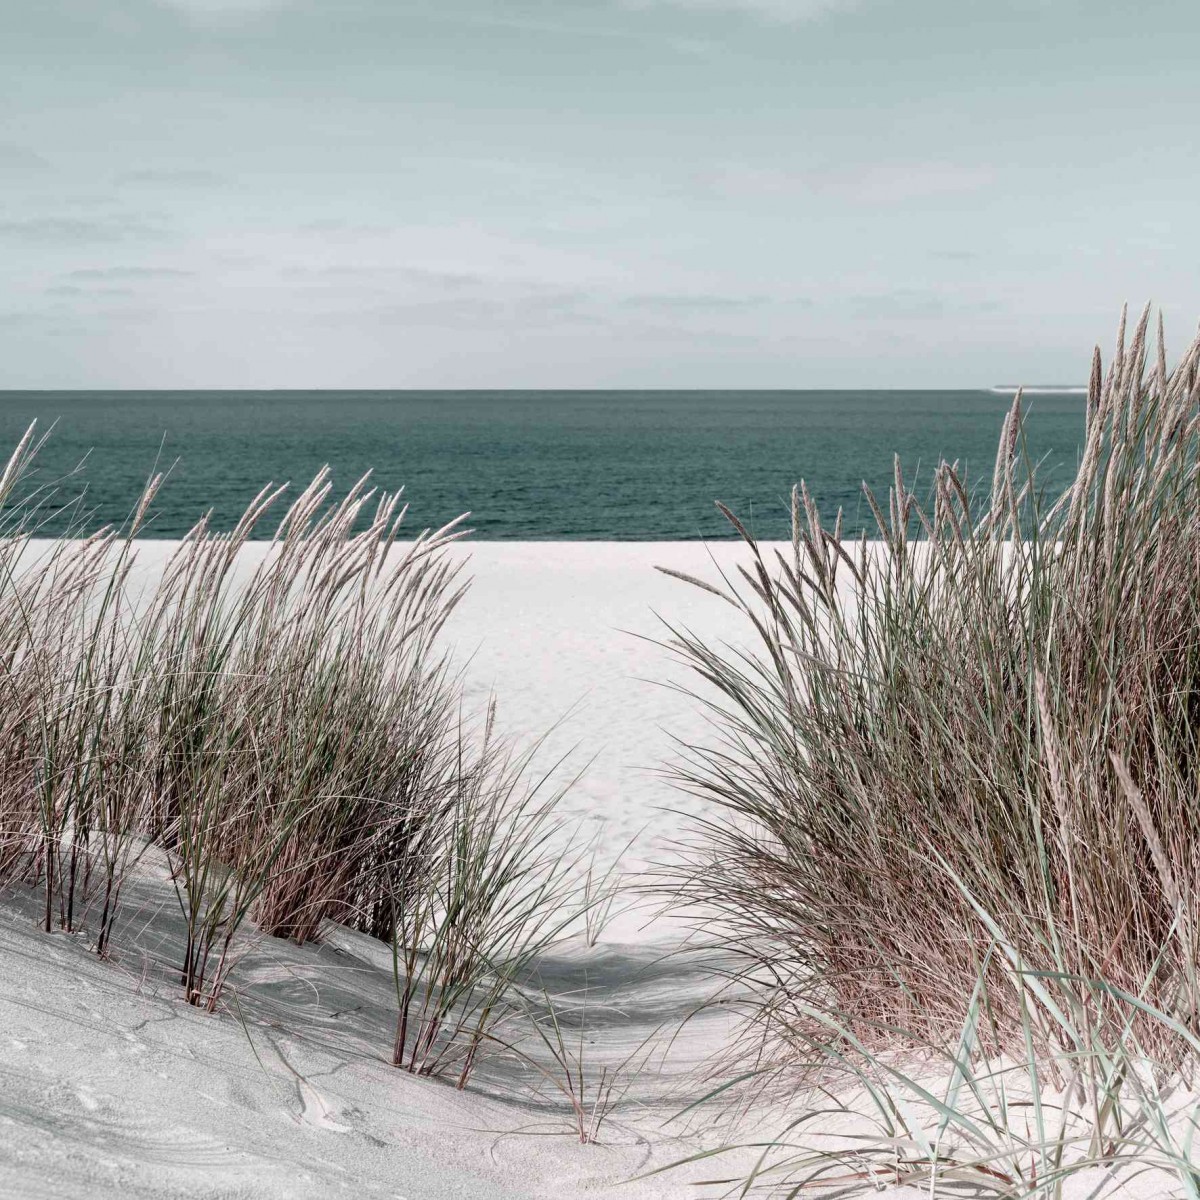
[590,193]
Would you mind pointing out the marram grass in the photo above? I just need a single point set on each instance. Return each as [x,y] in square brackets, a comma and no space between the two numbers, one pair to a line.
[284,732]
[955,807]
[279,723]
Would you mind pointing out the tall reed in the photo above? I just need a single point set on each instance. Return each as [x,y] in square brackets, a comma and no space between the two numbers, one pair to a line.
[992,709]
[280,721]
[504,884]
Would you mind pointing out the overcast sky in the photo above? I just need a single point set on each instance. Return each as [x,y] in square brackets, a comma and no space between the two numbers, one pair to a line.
[590,193]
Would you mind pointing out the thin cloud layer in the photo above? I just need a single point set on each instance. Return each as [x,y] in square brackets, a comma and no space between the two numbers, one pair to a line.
[16,159]
[220,11]
[130,273]
[587,193]
[867,183]
[77,231]
[172,177]
[780,12]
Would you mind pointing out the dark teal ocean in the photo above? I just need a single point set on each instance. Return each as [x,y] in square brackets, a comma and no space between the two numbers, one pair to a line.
[534,465]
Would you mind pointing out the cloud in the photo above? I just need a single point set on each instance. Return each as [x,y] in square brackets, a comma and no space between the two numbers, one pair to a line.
[334,228]
[861,183]
[503,304]
[913,304]
[16,160]
[222,12]
[501,308]
[693,303]
[898,304]
[780,12]
[335,273]
[75,231]
[171,177]
[129,273]
[20,318]
[428,297]
[71,289]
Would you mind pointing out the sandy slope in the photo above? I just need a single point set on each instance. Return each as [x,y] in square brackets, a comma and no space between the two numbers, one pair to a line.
[109,1086]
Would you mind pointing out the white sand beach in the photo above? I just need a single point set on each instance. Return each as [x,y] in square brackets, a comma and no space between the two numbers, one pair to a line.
[565,635]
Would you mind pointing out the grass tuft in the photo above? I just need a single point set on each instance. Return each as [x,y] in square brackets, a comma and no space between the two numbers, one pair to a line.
[956,773]
[278,722]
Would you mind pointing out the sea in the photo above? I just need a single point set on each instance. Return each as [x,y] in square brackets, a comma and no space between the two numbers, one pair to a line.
[536,465]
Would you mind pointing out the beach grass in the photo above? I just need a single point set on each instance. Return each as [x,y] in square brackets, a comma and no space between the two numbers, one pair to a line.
[283,734]
[284,730]
[507,883]
[953,804]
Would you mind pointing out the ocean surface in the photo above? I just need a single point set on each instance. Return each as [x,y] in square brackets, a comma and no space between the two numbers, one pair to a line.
[531,465]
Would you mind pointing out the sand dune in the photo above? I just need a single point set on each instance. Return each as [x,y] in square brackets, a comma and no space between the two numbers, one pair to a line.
[114,1087]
